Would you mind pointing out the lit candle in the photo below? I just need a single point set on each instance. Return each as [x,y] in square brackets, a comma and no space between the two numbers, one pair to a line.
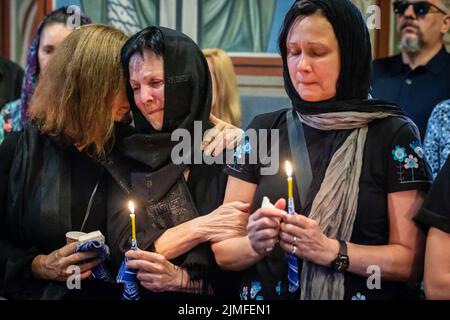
[293,276]
[133,221]
[291,207]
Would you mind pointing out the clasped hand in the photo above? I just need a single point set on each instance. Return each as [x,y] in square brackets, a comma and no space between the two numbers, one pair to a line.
[296,234]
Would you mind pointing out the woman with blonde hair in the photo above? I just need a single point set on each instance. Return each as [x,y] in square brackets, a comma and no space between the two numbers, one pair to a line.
[226,104]
[51,177]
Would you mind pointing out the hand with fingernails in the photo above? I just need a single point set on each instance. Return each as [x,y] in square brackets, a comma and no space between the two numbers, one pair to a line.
[222,136]
[54,265]
[264,226]
[296,234]
[155,272]
[303,237]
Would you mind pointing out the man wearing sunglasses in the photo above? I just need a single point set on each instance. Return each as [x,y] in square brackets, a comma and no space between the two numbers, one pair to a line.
[419,77]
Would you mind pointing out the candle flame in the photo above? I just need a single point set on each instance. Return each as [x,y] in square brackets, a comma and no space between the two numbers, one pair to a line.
[288,169]
[131,206]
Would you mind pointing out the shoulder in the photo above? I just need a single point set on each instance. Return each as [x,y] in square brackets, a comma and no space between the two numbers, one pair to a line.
[386,63]
[9,67]
[442,110]
[271,120]
[392,126]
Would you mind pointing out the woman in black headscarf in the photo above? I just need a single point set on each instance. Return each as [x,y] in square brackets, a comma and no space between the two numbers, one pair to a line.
[178,204]
[365,179]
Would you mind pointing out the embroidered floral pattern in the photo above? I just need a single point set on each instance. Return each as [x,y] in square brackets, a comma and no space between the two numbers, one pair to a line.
[359,296]
[252,292]
[399,154]
[411,163]
[408,161]
[278,288]
[244,293]
[417,147]
[242,150]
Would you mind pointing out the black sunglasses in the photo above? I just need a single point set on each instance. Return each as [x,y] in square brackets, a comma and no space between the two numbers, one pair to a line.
[420,8]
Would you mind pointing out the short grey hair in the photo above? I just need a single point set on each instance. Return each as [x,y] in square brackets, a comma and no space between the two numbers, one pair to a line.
[446,3]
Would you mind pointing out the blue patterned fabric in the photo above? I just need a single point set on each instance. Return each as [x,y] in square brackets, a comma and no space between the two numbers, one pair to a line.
[437,138]
[100,272]
[128,278]
[293,276]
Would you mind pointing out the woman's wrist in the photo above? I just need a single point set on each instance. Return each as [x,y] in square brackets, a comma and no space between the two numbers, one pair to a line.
[200,225]
[36,266]
[182,282]
[331,252]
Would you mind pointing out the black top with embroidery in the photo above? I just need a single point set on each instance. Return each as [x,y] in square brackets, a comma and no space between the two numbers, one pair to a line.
[393,162]
[436,207]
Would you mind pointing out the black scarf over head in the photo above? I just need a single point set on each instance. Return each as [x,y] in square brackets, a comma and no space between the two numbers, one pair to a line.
[353,85]
[154,177]
[187,98]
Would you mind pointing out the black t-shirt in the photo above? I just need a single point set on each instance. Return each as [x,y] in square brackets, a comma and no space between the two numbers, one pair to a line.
[393,161]
[435,211]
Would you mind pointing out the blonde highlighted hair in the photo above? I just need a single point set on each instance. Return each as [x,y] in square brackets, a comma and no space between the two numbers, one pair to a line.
[73,99]
[228,100]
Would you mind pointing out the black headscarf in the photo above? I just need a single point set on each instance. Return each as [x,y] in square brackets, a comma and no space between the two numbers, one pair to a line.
[187,98]
[154,178]
[353,85]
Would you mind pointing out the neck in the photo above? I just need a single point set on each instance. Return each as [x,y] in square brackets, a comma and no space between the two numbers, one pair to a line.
[422,57]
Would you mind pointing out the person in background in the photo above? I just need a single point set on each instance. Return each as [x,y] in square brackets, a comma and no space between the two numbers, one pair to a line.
[437,138]
[418,78]
[10,84]
[50,34]
[226,103]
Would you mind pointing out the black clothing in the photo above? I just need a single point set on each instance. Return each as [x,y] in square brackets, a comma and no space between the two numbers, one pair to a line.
[45,190]
[164,199]
[10,81]
[416,91]
[435,211]
[382,173]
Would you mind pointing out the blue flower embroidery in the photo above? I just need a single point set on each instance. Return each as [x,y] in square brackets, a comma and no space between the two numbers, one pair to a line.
[238,152]
[278,288]
[244,293]
[417,147]
[359,296]
[411,163]
[399,154]
[256,287]
[243,149]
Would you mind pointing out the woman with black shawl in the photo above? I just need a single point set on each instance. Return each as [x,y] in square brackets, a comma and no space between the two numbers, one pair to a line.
[367,173]
[178,204]
[51,176]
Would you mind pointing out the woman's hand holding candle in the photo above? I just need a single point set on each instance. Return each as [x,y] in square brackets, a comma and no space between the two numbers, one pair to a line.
[306,235]
[263,227]
[154,271]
